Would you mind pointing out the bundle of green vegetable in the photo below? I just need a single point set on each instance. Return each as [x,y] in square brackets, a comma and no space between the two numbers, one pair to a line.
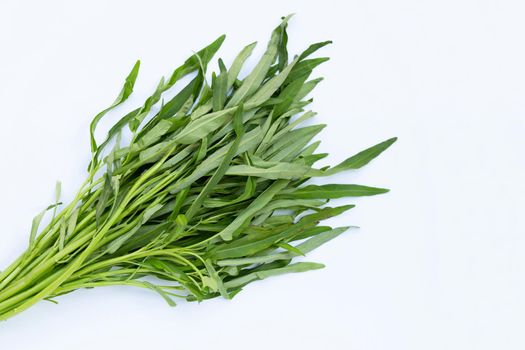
[207,195]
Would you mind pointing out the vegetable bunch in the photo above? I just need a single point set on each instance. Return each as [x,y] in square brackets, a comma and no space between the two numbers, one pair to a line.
[204,197]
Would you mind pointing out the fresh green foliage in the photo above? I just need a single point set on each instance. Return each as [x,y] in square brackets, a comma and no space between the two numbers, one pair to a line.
[207,195]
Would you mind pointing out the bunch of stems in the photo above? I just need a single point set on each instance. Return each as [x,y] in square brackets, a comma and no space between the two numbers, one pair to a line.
[206,196]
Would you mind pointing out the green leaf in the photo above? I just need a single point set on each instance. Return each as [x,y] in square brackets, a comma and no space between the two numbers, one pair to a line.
[36,222]
[248,192]
[72,222]
[126,91]
[202,127]
[238,62]
[248,142]
[155,133]
[135,122]
[178,157]
[289,145]
[192,64]
[58,191]
[334,191]
[179,201]
[217,281]
[252,209]
[118,242]
[62,234]
[260,275]
[288,95]
[322,236]
[268,89]
[311,232]
[256,77]
[289,248]
[112,133]
[256,242]
[202,150]
[278,171]
[220,88]
[293,124]
[282,52]
[221,170]
[307,88]
[149,212]
[320,239]
[313,48]
[303,69]
[293,203]
[361,158]
[178,102]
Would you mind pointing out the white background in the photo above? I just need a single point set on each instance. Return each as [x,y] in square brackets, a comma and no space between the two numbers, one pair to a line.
[438,263]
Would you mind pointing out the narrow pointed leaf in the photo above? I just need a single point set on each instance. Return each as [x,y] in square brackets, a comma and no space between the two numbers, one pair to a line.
[335,191]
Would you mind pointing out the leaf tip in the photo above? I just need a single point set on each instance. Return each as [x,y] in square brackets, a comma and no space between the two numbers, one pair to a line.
[317,266]
[382,190]
[221,38]
[134,72]
[286,18]
[347,207]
